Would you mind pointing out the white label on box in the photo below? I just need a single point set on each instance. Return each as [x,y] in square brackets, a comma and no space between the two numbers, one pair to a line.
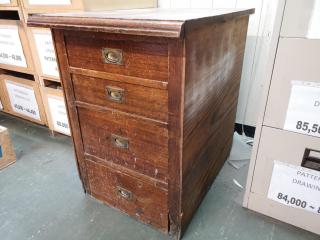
[23,100]
[295,186]
[11,51]
[49,2]
[303,114]
[46,54]
[5,1]
[59,115]
[1,106]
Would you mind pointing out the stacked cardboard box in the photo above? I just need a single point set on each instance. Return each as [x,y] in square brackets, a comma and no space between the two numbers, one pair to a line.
[7,156]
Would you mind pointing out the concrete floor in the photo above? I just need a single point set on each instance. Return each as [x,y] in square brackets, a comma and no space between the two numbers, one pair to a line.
[41,198]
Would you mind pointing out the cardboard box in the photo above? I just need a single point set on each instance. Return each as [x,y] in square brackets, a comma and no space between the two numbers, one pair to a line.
[43,53]
[24,98]
[7,155]
[15,54]
[55,108]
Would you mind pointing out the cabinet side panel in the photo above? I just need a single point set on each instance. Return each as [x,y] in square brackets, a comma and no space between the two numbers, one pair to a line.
[175,127]
[58,37]
[214,58]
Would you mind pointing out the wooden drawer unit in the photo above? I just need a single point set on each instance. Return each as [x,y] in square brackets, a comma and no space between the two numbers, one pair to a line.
[131,98]
[152,98]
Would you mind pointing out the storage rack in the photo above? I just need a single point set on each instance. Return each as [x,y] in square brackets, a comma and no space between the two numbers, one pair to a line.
[28,64]
[29,75]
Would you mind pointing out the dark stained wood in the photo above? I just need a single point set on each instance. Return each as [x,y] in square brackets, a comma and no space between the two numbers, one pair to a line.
[158,183]
[181,78]
[211,91]
[140,59]
[120,78]
[145,139]
[175,127]
[144,101]
[156,22]
[147,202]
[67,85]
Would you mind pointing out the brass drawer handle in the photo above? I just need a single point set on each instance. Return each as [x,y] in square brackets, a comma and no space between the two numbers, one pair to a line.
[124,193]
[112,56]
[115,94]
[119,142]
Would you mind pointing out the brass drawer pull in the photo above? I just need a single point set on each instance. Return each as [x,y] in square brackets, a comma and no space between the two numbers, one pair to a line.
[124,193]
[112,56]
[115,94]
[119,142]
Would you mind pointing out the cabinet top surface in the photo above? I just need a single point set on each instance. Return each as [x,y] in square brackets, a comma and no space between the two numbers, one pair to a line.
[154,20]
[157,14]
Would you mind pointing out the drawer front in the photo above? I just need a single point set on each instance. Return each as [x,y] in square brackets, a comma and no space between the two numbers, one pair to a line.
[144,101]
[139,199]
[271,148]
[134,143]
[289,148]
[138,59]
[297,60]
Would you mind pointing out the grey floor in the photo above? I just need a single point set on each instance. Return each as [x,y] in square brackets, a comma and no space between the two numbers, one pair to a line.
[41,198]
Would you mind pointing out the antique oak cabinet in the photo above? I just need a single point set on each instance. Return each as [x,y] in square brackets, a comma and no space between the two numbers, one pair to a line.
[151,97]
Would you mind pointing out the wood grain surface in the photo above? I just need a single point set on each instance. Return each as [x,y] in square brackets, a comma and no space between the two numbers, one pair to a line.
[147,202]
[155,154]
[213,73]
[137,99]
[140,59]
[156,22]
[145,138]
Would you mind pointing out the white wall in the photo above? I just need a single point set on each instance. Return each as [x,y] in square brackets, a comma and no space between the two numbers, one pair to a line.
[252,77]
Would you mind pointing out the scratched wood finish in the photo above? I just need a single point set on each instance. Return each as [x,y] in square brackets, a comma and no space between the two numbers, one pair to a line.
[145,138]
[144,101]
[148,203]
[211,91]
[181,75]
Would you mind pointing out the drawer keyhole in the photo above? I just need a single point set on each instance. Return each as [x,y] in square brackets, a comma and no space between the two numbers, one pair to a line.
[112,56]
[115,94]
[119,142]
[124,193]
